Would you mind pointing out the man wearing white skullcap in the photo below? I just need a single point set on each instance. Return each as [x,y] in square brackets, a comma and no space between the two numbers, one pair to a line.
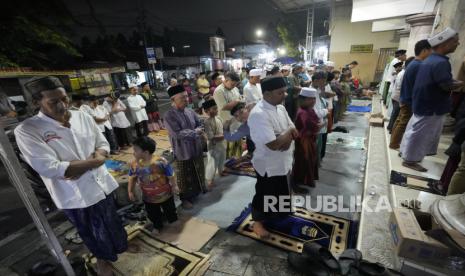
[430,101]
[329,66]
[252,90]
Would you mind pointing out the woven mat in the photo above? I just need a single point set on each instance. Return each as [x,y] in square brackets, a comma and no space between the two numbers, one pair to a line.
[155,258]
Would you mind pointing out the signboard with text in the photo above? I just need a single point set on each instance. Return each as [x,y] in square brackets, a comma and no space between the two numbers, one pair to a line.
[361,48]
[151,56]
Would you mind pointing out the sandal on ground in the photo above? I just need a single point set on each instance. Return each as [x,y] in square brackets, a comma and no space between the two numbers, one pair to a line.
[348,259]
[321,254]
[414,166]
[306,265]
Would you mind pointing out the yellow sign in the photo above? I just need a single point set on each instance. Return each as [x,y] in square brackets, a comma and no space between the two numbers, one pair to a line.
[361,48]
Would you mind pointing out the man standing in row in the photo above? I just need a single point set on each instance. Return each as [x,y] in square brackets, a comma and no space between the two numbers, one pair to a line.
[252,90]
[399,56]
[430,101]
[273,133]
[226,96]
[185,132]
[68,150]
[137,106]
[422,51]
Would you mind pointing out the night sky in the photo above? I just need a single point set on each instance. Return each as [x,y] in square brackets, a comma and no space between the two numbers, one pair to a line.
[238,18]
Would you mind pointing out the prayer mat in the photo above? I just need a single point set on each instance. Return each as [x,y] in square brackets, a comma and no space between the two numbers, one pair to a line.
[118,169]
[291,232]
[355,108]
[154,258]
[240,166]
[346,141]
[415,182]
[355,102]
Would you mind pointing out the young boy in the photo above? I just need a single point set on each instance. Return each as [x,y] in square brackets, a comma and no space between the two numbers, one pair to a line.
[307,123]
[216,145]
[155,178]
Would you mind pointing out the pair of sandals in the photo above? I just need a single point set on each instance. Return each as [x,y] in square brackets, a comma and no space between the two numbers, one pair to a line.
[317,260]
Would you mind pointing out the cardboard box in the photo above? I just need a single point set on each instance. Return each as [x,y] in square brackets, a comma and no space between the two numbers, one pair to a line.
[377,122]
[407,231]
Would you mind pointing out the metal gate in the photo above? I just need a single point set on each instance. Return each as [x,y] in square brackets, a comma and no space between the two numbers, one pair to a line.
[385,56]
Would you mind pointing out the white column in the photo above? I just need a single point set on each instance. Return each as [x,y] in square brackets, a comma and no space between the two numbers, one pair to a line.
[403,38]
[420,28]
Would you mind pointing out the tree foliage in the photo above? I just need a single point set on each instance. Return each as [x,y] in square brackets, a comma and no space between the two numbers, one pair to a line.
[33,34]
[289,38]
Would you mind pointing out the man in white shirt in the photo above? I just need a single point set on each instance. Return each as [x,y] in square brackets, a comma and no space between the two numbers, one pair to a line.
[137,106]
[102,117]
[67,149]
[399,56]
[321,110]
[273,133]
[118,120]
[226,96]
[252,90]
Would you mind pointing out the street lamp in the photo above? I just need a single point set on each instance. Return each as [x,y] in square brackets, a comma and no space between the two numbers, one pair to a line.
[259,33]
[184,47]
[282,51]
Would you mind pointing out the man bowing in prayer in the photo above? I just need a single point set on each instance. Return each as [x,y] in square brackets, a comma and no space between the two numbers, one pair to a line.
[186,134]
[431,101]
[273,133]
[68,150]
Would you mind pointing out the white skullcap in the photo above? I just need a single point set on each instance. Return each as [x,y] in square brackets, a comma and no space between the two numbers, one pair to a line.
[131,85]
[308,92]
[441,37]
[330,63]
[286,67]
[269,67]
[256,73]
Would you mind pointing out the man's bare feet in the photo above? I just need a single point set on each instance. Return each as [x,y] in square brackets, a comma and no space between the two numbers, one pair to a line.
[260,230]
[104,268]
[210,185]
[414,166]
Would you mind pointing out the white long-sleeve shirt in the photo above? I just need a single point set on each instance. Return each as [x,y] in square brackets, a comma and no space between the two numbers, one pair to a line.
[117,119]
[395,95]
[48,147]
[100,112]
[321,111]
[137,106]
[252,93]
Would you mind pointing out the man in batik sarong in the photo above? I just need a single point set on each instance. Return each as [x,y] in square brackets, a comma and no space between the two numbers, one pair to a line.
[186,134]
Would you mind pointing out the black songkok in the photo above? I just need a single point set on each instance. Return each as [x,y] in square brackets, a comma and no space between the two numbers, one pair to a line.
[175,90]
[207,104]
[39,84]
[272,83]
